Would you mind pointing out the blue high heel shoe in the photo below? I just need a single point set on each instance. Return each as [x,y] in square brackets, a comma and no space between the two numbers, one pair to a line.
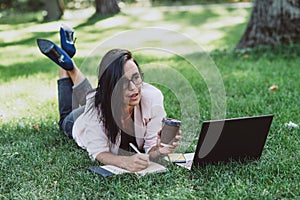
[67,40]
[55,53]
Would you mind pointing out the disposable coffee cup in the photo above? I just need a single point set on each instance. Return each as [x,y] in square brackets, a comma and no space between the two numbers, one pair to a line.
[169,131]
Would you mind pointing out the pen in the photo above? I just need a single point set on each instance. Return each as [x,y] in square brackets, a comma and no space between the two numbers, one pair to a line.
[134,148]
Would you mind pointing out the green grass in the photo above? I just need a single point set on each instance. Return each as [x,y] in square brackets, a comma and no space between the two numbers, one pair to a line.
[44,164]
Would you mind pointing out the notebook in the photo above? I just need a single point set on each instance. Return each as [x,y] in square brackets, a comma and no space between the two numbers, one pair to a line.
[237,139]
[110,170]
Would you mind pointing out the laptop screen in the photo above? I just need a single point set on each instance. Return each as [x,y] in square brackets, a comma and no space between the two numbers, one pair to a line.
[232,139]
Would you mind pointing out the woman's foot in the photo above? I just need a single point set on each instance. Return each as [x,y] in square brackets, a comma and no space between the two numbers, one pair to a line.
[67,39]
[55,53]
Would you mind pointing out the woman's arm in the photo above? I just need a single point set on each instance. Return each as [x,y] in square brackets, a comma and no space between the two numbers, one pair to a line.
[153,105]
[132,163]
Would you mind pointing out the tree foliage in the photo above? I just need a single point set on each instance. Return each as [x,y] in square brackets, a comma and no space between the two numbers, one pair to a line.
[22,5]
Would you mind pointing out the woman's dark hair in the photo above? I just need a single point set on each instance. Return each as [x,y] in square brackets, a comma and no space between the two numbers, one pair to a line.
[111,70]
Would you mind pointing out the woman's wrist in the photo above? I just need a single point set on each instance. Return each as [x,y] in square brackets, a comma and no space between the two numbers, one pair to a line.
[155,153]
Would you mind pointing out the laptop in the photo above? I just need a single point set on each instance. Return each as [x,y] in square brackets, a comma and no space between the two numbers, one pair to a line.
[237,139]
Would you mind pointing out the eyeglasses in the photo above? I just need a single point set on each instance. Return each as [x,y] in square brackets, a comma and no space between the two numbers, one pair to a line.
[136,79]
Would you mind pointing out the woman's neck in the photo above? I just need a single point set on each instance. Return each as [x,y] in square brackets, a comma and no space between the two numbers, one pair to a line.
[127,120]
[127,112]
[130,109]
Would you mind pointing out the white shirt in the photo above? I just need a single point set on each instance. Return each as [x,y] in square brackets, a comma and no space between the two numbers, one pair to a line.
[89,133]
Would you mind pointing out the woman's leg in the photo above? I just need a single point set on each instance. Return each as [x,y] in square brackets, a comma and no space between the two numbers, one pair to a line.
[72,90]
[75,74]
[81,86]
[79,93]
[66,121]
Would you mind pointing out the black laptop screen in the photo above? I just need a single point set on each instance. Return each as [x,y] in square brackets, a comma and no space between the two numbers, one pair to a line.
[232,139]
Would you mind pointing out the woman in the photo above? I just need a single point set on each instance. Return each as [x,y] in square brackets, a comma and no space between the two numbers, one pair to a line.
[121,110]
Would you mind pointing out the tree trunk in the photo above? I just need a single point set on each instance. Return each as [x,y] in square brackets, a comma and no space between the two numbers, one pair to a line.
[272,22]
[54,8]
[107,7]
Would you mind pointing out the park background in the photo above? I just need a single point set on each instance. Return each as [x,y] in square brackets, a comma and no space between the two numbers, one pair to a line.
[38,162]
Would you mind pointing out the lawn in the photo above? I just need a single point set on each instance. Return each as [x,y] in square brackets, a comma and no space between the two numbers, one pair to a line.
[189,57]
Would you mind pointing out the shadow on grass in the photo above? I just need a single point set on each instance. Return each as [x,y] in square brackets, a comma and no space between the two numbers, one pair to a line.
[31,41]
[232,32]
[232,36]
[191,18]
[43,65]
[92,20]
[272,53]
[12,72]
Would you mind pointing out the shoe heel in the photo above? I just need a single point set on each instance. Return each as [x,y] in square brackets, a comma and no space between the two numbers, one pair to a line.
[67,40]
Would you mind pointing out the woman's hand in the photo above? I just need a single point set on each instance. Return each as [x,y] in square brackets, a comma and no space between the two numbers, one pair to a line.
[166,150]
[136,162]
[132,163]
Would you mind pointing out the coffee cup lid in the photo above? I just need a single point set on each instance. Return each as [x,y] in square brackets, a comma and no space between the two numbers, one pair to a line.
[172,122]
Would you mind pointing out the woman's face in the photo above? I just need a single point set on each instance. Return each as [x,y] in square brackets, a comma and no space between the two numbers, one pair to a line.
[132,84]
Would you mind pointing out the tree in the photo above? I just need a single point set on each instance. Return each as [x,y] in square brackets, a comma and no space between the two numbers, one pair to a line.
[272,22]
[55,9]
[106,7]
